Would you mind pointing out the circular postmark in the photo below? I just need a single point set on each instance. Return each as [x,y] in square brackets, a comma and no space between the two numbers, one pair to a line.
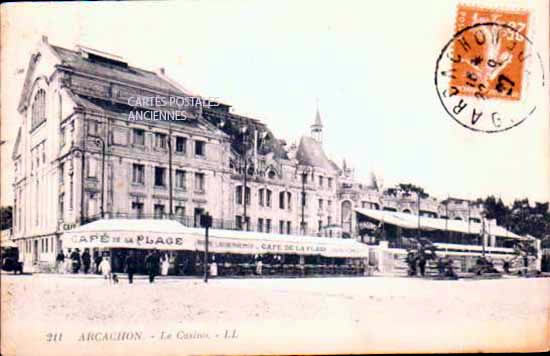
[487,77]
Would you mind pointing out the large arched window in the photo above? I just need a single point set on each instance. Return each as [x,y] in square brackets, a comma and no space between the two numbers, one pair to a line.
[38,108]
[347,215]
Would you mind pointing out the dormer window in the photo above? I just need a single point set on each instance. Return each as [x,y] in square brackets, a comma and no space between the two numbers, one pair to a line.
[38,108]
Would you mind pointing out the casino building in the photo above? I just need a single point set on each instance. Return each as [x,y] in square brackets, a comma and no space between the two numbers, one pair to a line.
[78,158]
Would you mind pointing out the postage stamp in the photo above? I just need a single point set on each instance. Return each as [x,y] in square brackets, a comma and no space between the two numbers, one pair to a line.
[485,73]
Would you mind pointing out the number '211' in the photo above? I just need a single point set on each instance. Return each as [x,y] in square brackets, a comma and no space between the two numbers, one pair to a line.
[54,337]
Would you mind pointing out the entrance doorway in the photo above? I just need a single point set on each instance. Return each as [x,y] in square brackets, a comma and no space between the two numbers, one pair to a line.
[35,252]
[346,216]
[197,217]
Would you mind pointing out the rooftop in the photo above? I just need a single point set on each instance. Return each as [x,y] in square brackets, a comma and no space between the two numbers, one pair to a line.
[311,153]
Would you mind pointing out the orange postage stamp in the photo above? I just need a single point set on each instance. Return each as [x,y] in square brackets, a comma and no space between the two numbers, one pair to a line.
[492,56]
[486,74]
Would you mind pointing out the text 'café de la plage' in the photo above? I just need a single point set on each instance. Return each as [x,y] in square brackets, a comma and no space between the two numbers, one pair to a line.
[80,158]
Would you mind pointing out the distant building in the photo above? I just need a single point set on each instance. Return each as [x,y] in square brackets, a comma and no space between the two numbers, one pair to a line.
[81,155]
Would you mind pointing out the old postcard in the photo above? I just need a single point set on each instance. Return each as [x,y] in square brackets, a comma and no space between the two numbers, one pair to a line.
[274,177]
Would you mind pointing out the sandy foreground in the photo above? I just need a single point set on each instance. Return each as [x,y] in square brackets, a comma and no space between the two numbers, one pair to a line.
[87,316]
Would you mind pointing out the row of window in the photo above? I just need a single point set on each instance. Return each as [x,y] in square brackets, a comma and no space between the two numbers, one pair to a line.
[369,205]
[46,245]
[158,210]
[321,181]
[160,177]
[161,142]
[264,198]
[264,225]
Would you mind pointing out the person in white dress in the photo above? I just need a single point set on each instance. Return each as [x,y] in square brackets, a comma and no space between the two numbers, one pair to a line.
[68,263]
[105,268]
[165,265]
[213,267]
[259,265]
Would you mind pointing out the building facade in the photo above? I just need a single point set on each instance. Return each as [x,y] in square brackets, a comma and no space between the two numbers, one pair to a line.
[81,155]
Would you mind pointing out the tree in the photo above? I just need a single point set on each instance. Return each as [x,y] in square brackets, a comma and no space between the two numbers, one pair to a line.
[495,209]
[6,217]
[521,218]
[407,187]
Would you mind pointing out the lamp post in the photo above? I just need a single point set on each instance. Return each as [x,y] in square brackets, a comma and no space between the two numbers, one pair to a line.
[469,217]
[418,210]
[98,141]
[305,172]
[447,219]
[420,194]
[244,166]
[483,234]
[206,222]
[170,186]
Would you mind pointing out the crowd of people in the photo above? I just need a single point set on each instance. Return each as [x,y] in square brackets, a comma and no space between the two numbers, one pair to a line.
[75,262]
[81,262]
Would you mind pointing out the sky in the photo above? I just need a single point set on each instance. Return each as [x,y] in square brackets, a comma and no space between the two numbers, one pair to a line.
[369,65]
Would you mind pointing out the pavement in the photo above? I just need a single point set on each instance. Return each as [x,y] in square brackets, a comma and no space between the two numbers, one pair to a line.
[275,315]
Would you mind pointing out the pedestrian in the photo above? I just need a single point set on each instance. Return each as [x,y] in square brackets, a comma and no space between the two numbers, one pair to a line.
[422,264]
[259,265]
[152,263]
[86,260]
[68,262]
[75,257]
[450,269]
[97,261]
[213,267]
[411,262]
[105,268]
[130,266]
[60,261]
[506,266]
[441,266]
[165,266]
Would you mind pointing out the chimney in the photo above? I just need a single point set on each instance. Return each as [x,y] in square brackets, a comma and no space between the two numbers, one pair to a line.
[45,39]
[161,70]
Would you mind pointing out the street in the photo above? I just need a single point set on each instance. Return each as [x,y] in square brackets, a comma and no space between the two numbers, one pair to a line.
[369,313]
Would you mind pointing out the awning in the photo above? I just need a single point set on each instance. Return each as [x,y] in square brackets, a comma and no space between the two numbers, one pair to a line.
[171,235]
[130,233]
[409,221]
[247,242]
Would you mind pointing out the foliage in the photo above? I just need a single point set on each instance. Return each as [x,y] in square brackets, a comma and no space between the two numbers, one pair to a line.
[407,188]
[6,217]
[413,188]
[521,217]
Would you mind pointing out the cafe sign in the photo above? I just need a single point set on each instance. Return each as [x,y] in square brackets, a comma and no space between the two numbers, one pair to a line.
[260,247]
[195,242]
[138,240]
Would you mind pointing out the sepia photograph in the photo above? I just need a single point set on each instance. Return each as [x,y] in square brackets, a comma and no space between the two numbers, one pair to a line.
[252,177]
